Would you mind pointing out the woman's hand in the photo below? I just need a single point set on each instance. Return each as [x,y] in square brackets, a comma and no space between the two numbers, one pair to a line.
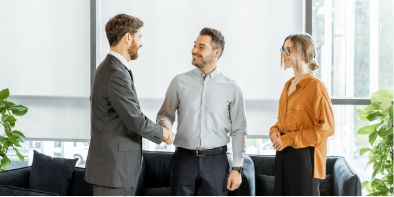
[276,141]
[278,145]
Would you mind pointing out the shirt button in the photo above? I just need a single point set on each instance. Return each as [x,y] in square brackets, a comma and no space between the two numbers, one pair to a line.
[283,128]
[202,121]
[202,135]
[202,108]
[284,115]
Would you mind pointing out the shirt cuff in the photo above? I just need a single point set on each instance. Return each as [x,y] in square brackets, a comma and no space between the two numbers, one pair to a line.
[271,132]
[286,140]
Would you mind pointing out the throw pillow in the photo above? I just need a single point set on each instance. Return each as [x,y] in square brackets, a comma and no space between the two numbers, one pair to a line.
[51,174]
[264,185]
[326,186]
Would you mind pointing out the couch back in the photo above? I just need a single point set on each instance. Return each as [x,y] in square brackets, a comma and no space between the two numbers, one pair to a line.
[78,186]
[156,169]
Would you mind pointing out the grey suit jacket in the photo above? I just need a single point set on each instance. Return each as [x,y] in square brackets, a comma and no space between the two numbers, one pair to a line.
[114,157]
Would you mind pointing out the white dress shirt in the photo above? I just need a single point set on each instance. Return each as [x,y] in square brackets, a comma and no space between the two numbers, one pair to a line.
[121,58]
[210,109]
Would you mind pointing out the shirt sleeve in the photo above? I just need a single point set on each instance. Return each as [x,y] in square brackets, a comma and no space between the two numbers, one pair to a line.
[324,128]
[274,128]
[166,115]
[238,125]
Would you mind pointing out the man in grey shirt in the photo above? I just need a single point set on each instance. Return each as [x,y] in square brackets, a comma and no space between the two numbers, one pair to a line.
[210,108]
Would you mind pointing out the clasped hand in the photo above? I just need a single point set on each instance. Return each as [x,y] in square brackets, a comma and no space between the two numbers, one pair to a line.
[168,135]
[276,141]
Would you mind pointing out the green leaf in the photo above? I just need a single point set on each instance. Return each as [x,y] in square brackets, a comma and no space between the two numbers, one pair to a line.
[3,111]
[9,104]
[369,163]
[385,93]
[363,150]
[18,135]
[376,166]
[372,137]
[2,104]
[18,110]
[382,188]
[21,157]
[390,138]
[5,162]
[373,106]
[390,179]
[367,129]
[374,183]
[374,116]
[363,114]
[391,112]
[7,128]
[4,94]
[9,118]
[382,132]
[14,141]
[364,184]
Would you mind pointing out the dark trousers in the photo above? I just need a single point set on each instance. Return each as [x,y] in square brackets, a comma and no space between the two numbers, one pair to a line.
[189,173]
[112,191]
[294,172]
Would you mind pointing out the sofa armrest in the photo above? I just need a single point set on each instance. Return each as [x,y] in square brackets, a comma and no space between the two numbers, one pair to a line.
[138,187]
[346,181]
[17,177]
[247,187]
[6,190]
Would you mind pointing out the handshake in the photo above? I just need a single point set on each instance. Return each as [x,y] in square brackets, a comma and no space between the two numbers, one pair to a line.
[168,135]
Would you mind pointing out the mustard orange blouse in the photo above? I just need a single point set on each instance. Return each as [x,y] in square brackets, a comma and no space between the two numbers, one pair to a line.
[307,119]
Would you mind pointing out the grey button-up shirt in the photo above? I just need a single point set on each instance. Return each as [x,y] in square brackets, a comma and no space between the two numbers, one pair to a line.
[210,109]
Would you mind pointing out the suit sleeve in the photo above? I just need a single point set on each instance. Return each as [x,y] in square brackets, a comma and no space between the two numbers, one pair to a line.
[124,100]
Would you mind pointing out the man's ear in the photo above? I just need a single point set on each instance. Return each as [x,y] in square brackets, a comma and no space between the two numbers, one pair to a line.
[127,37]
[217,52]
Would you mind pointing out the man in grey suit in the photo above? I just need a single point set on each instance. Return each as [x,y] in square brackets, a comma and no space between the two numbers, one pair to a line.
[114,157]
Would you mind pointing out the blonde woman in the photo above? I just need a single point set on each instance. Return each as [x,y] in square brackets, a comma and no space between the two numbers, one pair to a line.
[305,121]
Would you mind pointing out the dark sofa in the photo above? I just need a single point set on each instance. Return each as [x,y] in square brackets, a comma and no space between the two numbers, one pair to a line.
[154,178]
[16,182]
[340,180]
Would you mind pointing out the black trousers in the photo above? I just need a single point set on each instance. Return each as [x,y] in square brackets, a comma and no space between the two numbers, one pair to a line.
[294,172]
[191,173]
[112,191]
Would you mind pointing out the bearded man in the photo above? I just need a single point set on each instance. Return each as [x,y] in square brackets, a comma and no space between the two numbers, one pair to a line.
[115,152]
[210,108]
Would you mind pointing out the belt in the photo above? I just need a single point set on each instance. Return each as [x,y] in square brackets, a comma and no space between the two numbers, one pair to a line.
[203,152]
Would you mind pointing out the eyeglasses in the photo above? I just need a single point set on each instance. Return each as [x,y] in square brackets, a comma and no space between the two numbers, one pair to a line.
[288,51]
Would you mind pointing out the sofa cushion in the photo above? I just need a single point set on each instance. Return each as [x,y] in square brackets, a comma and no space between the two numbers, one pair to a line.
[264,185]
[51,174]
[6,190]
[326,186]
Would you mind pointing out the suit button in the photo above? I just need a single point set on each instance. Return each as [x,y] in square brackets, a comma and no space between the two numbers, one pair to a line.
[284,115]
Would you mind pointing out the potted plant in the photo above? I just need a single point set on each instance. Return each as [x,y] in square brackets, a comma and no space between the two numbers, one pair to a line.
[11,138]
[380,131]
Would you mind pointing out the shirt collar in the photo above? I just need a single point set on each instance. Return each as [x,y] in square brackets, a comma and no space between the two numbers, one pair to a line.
[213,74]
[303,82]
[121,58]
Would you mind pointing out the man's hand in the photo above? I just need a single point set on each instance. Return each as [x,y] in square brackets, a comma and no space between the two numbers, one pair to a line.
[168,135]
[234,180]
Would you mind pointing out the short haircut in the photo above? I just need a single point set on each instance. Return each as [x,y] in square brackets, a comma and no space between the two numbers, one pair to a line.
[217,38]
[120,24]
